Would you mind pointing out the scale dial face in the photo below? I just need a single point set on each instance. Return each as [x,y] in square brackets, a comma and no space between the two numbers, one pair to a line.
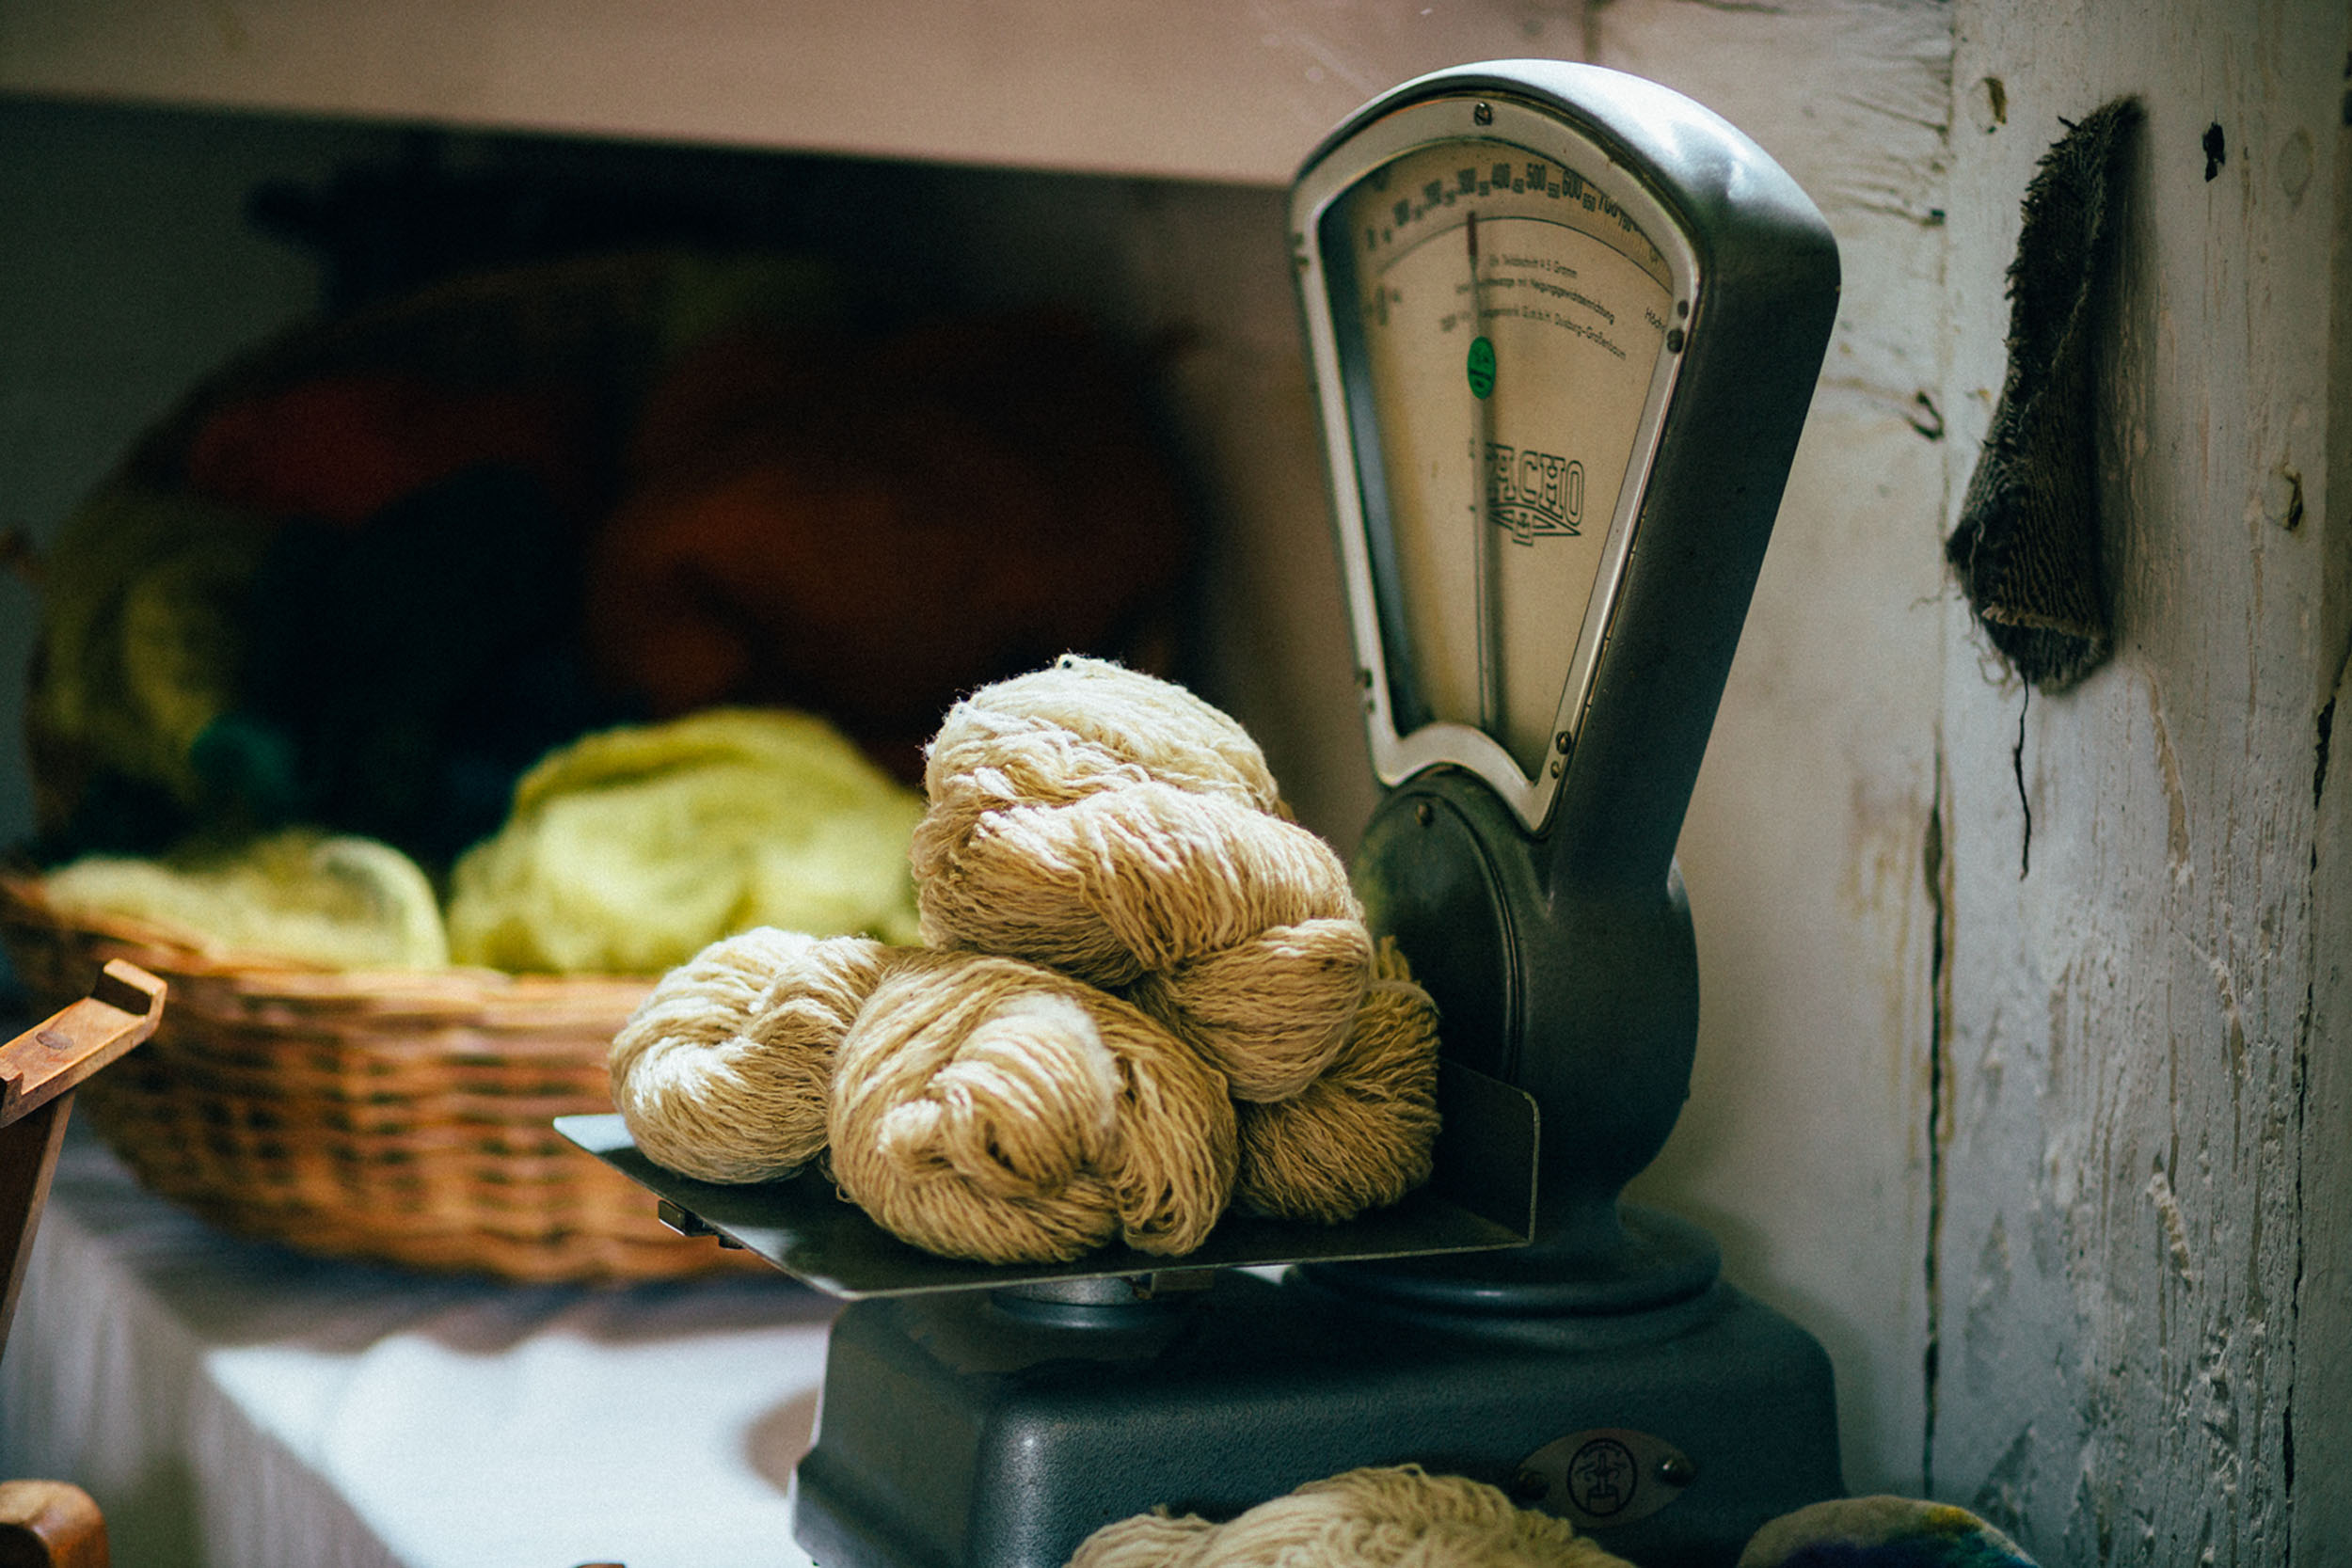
[1497,310]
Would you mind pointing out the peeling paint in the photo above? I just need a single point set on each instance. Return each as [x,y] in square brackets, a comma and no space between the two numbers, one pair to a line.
[2159,1189]
[2319,753]
[1981,1331]
[2176,799]
[1999,1499]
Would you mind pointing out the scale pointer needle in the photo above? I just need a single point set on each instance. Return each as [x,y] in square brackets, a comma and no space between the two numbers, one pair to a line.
[1482,528]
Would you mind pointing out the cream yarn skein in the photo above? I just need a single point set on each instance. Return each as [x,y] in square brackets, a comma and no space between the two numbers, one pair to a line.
[1113,826]
[1236,929]
[723,1073]
[1088,827]
[1395,1516]
[1081,724]
[987,1108]
[1361,1136]
[975,1107]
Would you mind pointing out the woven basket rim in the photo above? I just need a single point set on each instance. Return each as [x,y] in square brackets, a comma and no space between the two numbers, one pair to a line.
[370,1115]
[181,952]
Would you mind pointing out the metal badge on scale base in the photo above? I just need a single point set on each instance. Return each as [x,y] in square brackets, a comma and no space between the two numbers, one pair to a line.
[1564,326]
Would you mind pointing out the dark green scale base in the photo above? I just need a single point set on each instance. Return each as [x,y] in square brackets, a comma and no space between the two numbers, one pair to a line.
[990,1431]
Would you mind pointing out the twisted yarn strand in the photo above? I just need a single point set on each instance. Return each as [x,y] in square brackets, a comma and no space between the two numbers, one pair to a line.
[1129,879]
[1361,1136]
[986,1108]
[1058,729]
[1397,1516]
[1113,826]
[1272,1012]
[724,1071]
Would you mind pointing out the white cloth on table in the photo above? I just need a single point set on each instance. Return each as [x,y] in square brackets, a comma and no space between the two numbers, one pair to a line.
[235,1405]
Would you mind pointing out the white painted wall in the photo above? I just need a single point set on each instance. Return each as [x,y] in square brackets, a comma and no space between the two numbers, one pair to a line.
[2133,1203]
[1804,1144]
[1934,1098]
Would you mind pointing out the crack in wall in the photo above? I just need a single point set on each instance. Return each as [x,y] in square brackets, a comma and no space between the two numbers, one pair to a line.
[1932,869]
[2294,1290]
[2025,803]
[2319,753]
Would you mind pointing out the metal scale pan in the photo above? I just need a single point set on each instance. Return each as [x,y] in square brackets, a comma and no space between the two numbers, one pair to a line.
[1480,1198]
[1565,326]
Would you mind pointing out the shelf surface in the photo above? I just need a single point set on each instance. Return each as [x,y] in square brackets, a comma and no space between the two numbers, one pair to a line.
[1232,90]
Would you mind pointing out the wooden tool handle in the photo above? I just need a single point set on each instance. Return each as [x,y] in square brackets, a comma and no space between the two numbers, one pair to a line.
[49,1523]
[51,1058]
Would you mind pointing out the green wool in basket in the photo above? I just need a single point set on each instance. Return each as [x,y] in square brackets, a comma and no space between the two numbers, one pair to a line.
[140,645]
[310,898]
[629,851]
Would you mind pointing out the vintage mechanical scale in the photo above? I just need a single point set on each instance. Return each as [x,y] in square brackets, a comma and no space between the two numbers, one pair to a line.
[1565,326]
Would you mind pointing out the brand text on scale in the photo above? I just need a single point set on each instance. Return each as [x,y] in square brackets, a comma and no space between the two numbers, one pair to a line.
[1531,493]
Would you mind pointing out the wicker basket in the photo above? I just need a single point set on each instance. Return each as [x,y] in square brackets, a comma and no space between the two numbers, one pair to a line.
[398,1117]
[390,1116]
[394,1116]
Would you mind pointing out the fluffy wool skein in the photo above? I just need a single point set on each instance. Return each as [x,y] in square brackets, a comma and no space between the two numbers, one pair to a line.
[989,1109]
[1145,991]
[1361,1136]
[1079,726]
[1113,826]
[975,1107]
[1397,1516]
[725,1071]
[986,1108]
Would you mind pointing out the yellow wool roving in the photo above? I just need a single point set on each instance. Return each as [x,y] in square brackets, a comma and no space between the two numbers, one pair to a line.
[1396,1516]
[630,849]
[299,895]
[1113,826]
[1146,992]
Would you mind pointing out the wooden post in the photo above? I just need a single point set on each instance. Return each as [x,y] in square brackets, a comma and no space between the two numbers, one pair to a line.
[49,1523]
[39,1071]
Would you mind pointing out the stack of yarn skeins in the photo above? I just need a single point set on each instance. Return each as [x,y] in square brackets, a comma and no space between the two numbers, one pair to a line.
[1144,993]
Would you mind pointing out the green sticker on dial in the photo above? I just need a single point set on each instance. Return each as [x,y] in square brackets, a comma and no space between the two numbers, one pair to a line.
[1481,367]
